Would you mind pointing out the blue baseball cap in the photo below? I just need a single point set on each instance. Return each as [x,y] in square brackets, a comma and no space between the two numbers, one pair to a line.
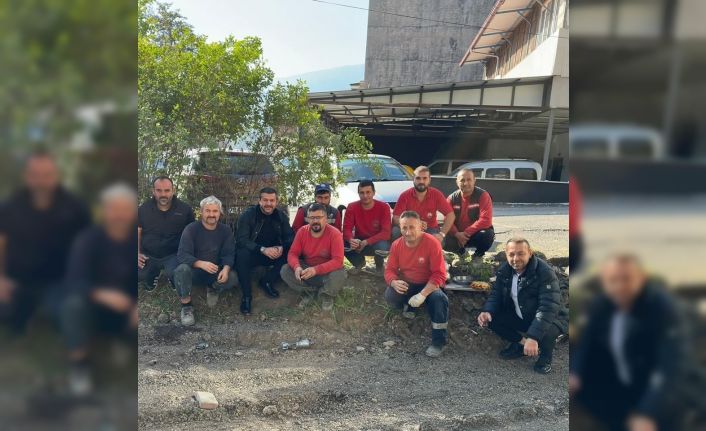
[322,188]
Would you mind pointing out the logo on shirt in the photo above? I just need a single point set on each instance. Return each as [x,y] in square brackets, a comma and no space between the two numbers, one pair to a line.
[473,205]
[421,260]
[376,224]
[430,215]
[457,207]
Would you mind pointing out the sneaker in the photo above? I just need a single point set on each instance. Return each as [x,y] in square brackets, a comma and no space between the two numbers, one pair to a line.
[211,297]
[305,301]
[408,312]
[434,351]
[187,316]
[80,381]
[542,367]
[512,351]
[327,304]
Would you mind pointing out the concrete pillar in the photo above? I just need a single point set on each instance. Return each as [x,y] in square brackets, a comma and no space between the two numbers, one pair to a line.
[547,145]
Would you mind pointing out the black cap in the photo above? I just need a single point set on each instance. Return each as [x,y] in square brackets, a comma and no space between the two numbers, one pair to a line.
[322,188]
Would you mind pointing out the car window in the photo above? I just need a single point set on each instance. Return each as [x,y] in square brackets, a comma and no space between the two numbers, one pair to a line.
[497,173]
[635,148]
[376,170]
[525,174]
[589,147]
[438,168]
[478,172]
[395,172]
[456,165]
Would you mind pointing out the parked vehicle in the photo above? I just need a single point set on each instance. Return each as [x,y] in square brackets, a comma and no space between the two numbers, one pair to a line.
[508,169]
[445,166]
[390,177]
[606,141]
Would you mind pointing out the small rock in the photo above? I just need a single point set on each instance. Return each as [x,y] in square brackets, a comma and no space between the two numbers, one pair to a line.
[332,355]
[239,354]
[263,317]
[269,410]
[206,400]
[175,364]
[207,337]
[359,349]
[201,346]
[388,343]
[153,362]
[163,318]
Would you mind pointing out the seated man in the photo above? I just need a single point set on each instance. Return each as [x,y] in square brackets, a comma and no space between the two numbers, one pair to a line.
[415,273]
[205,256]
[322,196]
[425,201]
[629,366]
[101,283]
[366,227]
[262,239]
[160,222]
[526,299]
[315,261]
[473,225]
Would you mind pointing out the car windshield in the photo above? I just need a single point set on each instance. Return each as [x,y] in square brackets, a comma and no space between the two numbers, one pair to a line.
[373,169]
[233,164]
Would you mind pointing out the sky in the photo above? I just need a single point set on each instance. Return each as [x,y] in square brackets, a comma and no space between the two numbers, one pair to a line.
[297,36]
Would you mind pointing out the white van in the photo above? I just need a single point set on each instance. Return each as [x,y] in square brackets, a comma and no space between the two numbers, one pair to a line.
[608,141]
[445,166]
[508,169]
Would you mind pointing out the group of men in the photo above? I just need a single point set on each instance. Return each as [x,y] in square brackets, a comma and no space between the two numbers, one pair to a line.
[524,305]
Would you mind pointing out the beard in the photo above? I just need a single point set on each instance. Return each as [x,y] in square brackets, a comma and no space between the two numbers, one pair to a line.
[316,228]
[420,188]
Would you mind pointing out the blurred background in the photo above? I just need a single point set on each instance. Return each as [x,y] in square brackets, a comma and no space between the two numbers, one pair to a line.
[638,155]
[68,92]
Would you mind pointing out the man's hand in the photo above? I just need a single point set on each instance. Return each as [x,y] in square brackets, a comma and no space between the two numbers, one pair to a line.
[462,238]
[354,243]
[424,226]
[273,252]
[362,245]
[7,286]
[114,299]
[209,267]
[439,236]
[574,384]
[223,275]
[399,286]
[308,273]
[531,347]
[141,260]
[417,300]
[484,318]
[641,423]
[298,273]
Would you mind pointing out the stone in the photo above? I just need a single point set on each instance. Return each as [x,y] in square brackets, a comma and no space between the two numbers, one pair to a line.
[206,400]
[153,362]
[388,344]
[163,318]
[239,354]
[269,410]
[207,337]
[263,317]
[359,349]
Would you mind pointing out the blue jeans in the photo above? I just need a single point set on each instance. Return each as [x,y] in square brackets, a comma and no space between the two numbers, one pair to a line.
[154,265]
[81,318]
[358,259]
[437,304]
[185,277]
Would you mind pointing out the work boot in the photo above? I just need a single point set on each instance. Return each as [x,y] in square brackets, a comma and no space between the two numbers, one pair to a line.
[326,303]
[80,381]
[246,305]
[187,316]
[434,351]
[512,351]
[269,289]
[408,312]
[211,297]
[305,301]
[543,366]
[149,287]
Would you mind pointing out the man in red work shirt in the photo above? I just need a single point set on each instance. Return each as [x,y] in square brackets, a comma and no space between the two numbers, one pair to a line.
[315,260]
[425,201]
[366,227]
[416,273]
[473,226]
[322,195]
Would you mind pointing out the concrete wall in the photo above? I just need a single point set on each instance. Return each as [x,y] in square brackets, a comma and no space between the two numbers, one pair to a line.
[407,51]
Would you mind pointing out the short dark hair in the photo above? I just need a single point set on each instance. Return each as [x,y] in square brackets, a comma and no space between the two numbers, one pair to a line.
[518,240]
[268,191]
[162,178]
[316,207]
[410,214]
[39,153]
[366,183]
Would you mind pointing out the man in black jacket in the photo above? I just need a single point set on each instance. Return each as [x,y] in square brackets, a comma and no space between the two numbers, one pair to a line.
[263,238]
[526,299]
[161,221]
[630,359]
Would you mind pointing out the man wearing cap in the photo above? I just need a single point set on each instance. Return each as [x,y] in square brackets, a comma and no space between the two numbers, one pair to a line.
[473,224]
[322,196]
[366,227]
[425,201]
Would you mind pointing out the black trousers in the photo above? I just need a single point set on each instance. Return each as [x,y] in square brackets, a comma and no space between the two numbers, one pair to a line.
[510,327]
[481,240]
[246,261]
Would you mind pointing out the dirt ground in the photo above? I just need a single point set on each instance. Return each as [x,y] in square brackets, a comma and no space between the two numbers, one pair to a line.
[348,379]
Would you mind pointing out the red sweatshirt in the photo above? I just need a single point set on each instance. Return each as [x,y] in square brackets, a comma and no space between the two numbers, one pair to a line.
[485,218]
[419,265]
[372,225]
[433,201]
[325,253]
[300,220]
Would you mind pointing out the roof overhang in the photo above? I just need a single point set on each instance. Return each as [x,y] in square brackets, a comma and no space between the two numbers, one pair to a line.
[503,18]
[513,108]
